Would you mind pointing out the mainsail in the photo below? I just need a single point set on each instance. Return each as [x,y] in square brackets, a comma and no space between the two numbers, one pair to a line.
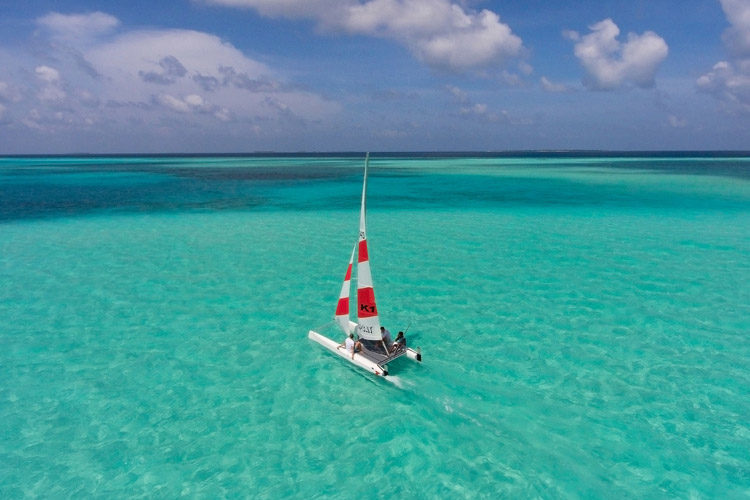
[368,325]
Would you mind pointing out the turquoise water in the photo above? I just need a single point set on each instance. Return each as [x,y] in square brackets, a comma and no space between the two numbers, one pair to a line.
[585,325]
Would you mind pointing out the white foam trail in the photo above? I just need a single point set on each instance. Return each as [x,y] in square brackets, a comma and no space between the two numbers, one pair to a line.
[399,382]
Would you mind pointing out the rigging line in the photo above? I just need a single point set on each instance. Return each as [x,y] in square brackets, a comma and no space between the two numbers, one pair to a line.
[408,326]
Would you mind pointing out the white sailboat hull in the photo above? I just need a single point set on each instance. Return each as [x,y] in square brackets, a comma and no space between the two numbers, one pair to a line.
[413,355]
[358,359]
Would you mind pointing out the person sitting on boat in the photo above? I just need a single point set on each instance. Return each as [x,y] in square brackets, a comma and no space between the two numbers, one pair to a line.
[386,336]
[351,345]
[400,341]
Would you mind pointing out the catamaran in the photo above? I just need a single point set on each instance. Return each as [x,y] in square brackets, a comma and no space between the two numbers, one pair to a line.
[372,352]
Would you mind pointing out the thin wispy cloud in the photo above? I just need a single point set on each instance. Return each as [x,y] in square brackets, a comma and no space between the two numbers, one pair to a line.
[550,86]
[676,122]
[467,108]
[78,27]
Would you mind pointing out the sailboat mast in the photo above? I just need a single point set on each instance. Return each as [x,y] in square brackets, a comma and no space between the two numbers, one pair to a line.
[367,312]
[363,210]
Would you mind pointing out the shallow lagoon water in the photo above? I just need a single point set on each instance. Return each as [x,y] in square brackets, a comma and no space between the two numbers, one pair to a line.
[584,324]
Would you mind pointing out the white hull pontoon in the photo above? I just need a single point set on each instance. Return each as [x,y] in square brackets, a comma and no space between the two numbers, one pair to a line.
[372,360]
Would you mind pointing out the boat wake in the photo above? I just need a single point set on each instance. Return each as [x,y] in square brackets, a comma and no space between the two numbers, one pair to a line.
[399,382]
[432,396]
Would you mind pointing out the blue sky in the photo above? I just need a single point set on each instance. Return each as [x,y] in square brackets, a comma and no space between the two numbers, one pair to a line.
[381,75]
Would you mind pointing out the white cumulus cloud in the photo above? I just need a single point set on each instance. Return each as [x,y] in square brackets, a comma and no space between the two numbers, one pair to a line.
[140,65]
[95,71]
[441,33]
[737,36]
[729,80]
[610,64]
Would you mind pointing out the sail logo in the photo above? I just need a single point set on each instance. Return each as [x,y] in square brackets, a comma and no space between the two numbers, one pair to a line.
[366,303]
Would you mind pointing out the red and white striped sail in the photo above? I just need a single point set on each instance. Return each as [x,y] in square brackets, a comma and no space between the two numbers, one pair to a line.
[368,324]
[342,308]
